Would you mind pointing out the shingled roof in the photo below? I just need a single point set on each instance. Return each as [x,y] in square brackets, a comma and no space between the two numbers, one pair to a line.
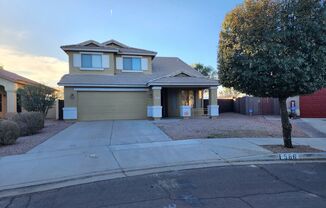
[107,46]
[165,71]
[7,75]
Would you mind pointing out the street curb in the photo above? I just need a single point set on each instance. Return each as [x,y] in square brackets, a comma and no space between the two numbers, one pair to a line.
[293,156]
[107,175]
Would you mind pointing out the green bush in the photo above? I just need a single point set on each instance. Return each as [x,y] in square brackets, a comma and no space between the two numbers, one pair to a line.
[28,122]
[9,132]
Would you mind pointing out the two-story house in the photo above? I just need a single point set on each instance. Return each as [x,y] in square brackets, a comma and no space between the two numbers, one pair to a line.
[111,80]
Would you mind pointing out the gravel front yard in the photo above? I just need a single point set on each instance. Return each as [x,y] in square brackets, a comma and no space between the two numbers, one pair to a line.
[24,144]
[226,125]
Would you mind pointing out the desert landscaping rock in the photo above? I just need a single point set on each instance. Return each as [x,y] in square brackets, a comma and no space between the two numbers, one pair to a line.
[26,143]
[226,125]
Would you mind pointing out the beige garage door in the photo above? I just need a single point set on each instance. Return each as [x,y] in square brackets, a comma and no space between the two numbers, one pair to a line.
[111,105]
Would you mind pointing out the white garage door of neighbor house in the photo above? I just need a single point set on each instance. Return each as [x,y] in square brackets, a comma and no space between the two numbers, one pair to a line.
[111,105]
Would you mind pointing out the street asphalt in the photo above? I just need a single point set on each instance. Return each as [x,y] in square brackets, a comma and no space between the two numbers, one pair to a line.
[289,185]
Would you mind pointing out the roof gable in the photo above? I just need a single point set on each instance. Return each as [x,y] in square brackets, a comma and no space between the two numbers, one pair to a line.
[90,43]
[114,43]
[108,46]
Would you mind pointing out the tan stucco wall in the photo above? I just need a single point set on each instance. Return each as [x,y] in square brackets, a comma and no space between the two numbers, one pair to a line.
[213,96]
[70,97]
[3,103]
[74,70]
[156,93]
[112,70]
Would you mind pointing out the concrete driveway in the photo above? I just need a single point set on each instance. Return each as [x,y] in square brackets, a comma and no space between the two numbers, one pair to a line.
[103,133]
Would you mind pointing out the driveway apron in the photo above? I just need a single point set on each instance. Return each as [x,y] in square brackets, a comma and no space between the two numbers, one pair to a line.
[103,133]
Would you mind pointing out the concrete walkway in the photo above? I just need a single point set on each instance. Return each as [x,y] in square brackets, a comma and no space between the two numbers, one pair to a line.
[90,151]
[318,123]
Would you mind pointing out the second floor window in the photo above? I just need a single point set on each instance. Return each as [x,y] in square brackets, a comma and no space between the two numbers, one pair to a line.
[91,61]
[132,63]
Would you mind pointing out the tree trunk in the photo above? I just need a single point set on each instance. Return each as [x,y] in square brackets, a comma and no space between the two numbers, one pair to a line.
[286,125]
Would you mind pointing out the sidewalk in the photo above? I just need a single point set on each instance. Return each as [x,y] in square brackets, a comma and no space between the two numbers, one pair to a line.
[37,171]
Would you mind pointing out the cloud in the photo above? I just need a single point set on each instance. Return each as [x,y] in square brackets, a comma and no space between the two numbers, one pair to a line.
[43,69]
[17,35]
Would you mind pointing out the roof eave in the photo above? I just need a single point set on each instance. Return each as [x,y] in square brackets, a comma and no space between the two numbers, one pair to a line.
[67,49]
[99,85]
[182,84]
[144,54]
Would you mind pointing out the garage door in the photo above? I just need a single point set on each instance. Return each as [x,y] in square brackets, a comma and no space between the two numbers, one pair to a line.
[111,105]
[313,106]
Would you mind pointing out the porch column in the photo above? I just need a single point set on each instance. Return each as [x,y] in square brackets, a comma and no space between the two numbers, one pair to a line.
[11,101]
[155,111]
[199,110]
[213,107]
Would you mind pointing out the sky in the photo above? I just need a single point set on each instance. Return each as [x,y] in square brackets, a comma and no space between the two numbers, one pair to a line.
[32,31]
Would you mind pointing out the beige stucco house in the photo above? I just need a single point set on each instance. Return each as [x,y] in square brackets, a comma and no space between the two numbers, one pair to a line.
[111,80]
[9,83]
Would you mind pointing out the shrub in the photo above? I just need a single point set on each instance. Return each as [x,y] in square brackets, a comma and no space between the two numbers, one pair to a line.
[9,132]
[29,122]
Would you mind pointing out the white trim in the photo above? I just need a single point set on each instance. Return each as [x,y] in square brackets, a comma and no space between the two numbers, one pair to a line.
[91,69]
[95,53]
[88,49]
[144,64]
[69,113]
[156,88]
[106,61]
[213,110]
[129,56]
[112,89]
[131,70]
[154,111]
[76,60]
[140,54]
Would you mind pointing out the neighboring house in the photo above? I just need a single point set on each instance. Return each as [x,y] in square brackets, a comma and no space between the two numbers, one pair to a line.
[111,80]
[9,83]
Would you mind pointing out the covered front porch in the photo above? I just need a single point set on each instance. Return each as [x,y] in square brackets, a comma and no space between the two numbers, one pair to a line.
[182,101]
[8,99]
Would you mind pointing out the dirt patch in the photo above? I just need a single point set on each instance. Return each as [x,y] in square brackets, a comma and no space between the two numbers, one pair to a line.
[296,148]
[26,143]
[239,134]
[225,126]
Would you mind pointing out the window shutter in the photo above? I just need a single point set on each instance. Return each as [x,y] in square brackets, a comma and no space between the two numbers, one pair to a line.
[76,60]
[119,63]
[105,61]
[144,64]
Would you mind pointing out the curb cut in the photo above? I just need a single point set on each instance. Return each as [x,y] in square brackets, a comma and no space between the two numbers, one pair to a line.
[274,158]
